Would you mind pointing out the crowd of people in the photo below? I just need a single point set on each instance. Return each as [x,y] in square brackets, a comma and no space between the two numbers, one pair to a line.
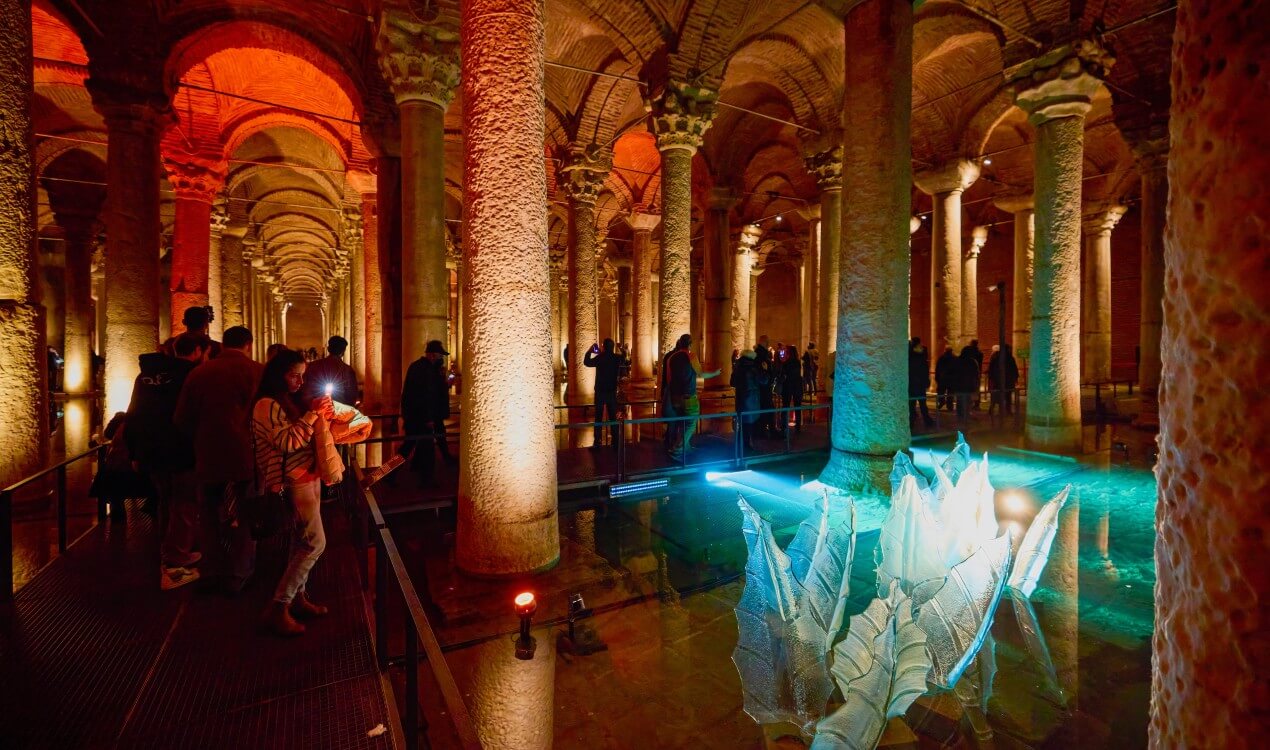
[958,378]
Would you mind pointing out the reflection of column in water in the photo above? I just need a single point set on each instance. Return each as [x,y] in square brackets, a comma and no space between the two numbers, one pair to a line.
[1102,535]
[675,629]
[77,419]
[512,700]
[1060,614]
[584,529]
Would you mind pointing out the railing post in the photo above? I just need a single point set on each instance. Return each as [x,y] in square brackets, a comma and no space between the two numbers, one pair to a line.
[101,461]
[381,602]
[6,545]
[738,440]
[621,446]
[61,509]
[412,684]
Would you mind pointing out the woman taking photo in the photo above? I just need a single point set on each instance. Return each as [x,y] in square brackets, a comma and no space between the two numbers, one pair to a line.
[295,453]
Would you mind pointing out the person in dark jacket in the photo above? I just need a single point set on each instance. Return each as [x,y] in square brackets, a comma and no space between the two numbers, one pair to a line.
[811,368]
[747,379]
[1003,392]
[167,454]
[792,387]
[977,354]
[763,357]
[331,370]
[682,368]
[918,382]
[197,320]
[607,368]
[945,368]
[965,381]
[425,405]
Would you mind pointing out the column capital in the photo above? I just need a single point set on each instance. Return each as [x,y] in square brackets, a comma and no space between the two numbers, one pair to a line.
[810,212]
[129,95]
[722,198]
[351,227]
[220,219]
[749,239]
[1101,218]
[195,177]
[1014,202]
[643,222]
[1152,154]
[1060,82]
[584,172]
[914,223]
[978,238]
[420,61]
[362,182]
[248,248]
[681,115]
[826,167]
[951,177]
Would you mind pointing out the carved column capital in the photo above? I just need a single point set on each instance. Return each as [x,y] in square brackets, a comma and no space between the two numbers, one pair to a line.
[1151,154]
[722,198]
[583,175]
[914,223]
[1060,82]
[351,227]
[951,177]
[1014,202]
[749,239]
[643,222]
[1101,218]
[978,238]
[681,115]
[195,177]
[826,167]
[420,61]
[220,219]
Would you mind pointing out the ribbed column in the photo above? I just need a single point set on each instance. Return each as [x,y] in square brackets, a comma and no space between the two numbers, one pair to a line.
[582,179]
[23,357]
[945,185]
[870,416]
[1021,290]
[717,273]
[826,166]
[1056,90]
[1210,660]
[195,181]
[506,527]
[645,350]
[1096,292]
[743,286]
[970,286]
[216,270]
[421,64]
[681,116]
[1152,165]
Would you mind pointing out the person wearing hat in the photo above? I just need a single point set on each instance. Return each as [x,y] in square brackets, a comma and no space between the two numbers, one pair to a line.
[425,405]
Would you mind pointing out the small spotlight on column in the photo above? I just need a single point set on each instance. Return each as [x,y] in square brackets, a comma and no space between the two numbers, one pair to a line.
[526,606]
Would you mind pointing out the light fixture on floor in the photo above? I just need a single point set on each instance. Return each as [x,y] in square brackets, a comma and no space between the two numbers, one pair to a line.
[580,639]
[526,606]
[632,488]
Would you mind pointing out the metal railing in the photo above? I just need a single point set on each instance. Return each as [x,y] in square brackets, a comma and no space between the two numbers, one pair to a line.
[392,579]
[6,511]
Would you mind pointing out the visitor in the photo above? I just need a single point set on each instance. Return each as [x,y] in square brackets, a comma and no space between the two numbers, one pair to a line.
[1002,362]
[792,389]
[965,382]
[977,354]
[273,350]
[607,366]
[747,379]
[945,374]
[214,409]
[918,382]
[425,405]
[166,454]
[763,356]
[811,368]
[682,369]
[197,320]
[667,407]
[332,371]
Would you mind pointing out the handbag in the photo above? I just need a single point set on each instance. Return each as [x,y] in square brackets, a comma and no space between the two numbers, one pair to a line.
[266,512]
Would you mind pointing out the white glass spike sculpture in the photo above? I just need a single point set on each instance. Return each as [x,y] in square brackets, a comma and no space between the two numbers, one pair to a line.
[1034,552]
[902,466]
[909,547]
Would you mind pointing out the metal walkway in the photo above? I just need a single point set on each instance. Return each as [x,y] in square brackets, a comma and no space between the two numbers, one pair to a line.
[94,655]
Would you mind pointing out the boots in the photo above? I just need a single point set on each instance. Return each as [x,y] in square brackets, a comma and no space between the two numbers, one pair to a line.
[303,608]
[278,620]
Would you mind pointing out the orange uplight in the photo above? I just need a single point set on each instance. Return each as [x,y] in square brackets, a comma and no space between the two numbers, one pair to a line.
[525,599]
[525,605]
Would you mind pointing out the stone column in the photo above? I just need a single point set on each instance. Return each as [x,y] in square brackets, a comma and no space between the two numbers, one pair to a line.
[216,270]
[717,274]
[645,348]
[195,182]
[133,123]
[970,286]
[1021,290]
[1210,659]
[914,223]
[80,231]
[826,167]
[681,116]
[743,286]
[389,234]
[231,276]
[945,185]
[1096,297]
[582,179]
[420,62]
[751,317]
[351,237]
[1056,90]
[559,280]
[812,261]
[506,526]
[624,306]
[870,415]
[1152,158]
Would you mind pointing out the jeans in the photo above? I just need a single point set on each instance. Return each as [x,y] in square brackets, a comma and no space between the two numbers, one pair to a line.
[688,406]
[308,539]
[792,399]
[228,551]
[606,402]
[178,501]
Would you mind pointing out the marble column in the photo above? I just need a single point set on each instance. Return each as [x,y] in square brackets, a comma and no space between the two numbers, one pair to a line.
[195,182]
[826,166]
[1210,658]
[231,276]
[80,231]
[1096,292]
[582,179]
[216,270]
[870,415]
[945,185]
[811,259]
[681,116]
[743,286]
[1152,158]
[751,316]
[133,124]
[351,238]
[624,304]
[717,275]
[1056,90]
[1020,206]
[645,348]
[970,286]
[507,509]
[420,62]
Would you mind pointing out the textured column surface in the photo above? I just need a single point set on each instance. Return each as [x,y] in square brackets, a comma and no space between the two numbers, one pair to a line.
[825,164]
[132,245]
[1055,90]
[373,314]
[645,353]
[751,316]
[1096,293]
[582,180]
[870,417]
[625,322]
[970,286]
[945,185]
[23,358]
[1152,163]
[1210,665]
[352,235]
[718,289]
[195,182]
[743,286]
[812,260]
[232,303]
[77,377]
[507,508]
[1021,290]
[216,270]
[513,700]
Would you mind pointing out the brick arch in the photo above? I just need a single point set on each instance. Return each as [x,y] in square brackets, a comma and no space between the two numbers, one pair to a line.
[985,119]
[599,120]
[635,29]
[238,131]
[54,37]
[49,150]
[781,61]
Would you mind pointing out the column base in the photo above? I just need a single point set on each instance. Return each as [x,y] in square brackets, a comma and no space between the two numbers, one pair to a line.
[858,473]
[1061,438]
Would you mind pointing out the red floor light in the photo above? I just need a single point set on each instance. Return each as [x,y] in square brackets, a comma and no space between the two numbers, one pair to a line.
[526,606]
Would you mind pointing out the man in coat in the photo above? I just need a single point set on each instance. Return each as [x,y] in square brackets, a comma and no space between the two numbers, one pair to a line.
[332,370]
[425,405]
[945,374]
[918,382]
[607,366]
